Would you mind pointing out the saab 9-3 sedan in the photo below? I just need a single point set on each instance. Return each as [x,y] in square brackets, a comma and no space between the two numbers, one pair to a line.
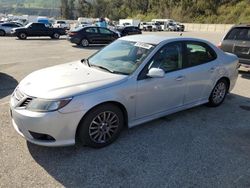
[133,80]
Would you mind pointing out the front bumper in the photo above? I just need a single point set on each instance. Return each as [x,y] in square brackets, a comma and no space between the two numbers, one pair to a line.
[62,127]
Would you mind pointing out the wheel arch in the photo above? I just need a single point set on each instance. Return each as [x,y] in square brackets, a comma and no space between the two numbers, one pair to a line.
[226,79]
[116,103]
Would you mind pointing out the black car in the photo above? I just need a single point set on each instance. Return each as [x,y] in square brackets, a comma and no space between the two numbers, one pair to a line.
[129,30]
[237,41]
[91,35]
[37,30]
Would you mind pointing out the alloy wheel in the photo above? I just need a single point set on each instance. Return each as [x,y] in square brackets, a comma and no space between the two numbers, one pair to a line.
[85,42]
[219,92]
[103,127]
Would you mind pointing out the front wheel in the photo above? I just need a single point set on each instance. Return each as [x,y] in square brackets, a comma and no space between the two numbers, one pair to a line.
[22,36]
[101,126]
[56,36]
[219,93]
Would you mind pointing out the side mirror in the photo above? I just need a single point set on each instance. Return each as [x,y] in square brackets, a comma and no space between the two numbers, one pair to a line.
[156,73]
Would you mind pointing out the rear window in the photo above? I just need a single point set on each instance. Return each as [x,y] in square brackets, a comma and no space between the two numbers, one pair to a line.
[239,33]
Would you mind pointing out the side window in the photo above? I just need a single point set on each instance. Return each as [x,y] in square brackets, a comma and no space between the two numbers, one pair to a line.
[199,53]
[38,26]
[104,31]
[169,58]
[91,30]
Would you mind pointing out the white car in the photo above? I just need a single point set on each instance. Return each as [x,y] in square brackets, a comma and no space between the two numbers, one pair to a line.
[61,24]
[131,81]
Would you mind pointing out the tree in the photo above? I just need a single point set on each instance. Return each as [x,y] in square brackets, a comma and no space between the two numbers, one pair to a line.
[65,13]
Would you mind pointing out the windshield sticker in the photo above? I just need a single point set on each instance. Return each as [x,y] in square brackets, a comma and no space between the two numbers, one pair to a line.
[143,45]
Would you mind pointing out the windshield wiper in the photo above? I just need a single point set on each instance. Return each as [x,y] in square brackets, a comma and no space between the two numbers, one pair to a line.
[108,70]
[86,61]
[101,67]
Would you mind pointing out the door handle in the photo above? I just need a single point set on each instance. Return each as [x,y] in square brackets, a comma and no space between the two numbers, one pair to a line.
[179,78]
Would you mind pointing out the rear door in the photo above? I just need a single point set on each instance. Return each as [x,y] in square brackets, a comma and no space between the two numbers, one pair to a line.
[237,41]
[107,36]
[200,68]
[93,35]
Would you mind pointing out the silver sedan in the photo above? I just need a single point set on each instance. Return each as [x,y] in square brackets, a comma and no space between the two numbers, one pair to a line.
[131,81]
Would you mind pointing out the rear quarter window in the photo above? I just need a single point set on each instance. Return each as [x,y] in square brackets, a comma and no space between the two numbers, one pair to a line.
[240,33]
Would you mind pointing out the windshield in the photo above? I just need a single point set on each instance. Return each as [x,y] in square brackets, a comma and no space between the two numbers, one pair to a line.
[121,57]
[28,25]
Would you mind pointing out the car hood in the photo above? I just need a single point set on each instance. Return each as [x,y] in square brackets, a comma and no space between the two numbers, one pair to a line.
[67,80]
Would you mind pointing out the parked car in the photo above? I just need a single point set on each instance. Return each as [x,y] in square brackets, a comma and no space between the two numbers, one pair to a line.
[171,26]
[155,26]
[129,30]
[37,30]
[5,28]
[61,24]
[133,80]
[237,41]
[91,35]
[180,27]
[145,26]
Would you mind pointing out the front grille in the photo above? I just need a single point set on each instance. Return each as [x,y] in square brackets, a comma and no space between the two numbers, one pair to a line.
[25,102]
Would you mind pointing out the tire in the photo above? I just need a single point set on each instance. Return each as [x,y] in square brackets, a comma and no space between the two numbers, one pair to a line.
[22,36]
[2,33]
[101,126]
[85,42]
[219,93]
[55,36]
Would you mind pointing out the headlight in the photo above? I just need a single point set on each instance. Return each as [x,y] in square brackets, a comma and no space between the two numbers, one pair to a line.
[41,105]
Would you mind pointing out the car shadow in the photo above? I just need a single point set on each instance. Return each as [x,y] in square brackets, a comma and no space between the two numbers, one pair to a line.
[7,85]
[90,47]
[245,74]
[158,152]
[41,39]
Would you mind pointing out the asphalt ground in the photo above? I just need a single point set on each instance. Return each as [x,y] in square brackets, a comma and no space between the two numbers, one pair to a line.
[200,147]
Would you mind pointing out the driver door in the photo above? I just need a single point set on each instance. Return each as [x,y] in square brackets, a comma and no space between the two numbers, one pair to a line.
[158,95]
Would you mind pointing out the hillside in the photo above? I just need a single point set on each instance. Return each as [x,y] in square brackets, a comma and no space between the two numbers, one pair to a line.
[30,3]
[199,11]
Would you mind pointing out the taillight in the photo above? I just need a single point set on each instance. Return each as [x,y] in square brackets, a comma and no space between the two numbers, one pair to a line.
[72,34]
[219,45]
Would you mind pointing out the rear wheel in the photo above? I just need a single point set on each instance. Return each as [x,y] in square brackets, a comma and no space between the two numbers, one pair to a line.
[219,93]
[101,126]
[2,33]
[85,43]
[22,36]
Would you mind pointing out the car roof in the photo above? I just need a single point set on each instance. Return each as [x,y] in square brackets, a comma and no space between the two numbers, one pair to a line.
[153,39]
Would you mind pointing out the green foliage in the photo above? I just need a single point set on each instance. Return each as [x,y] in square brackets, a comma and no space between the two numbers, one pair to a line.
[200,11]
